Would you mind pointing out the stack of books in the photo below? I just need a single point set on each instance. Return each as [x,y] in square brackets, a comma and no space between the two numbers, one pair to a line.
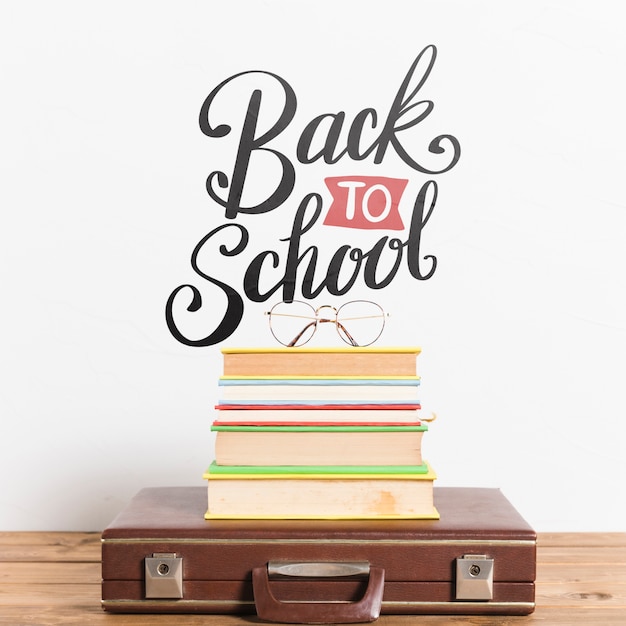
[319,433]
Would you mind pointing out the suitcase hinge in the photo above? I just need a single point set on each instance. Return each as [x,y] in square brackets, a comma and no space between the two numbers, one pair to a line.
[474,577]
[164,576]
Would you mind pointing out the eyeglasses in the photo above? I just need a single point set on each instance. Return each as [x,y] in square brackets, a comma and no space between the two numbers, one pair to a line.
[294,323]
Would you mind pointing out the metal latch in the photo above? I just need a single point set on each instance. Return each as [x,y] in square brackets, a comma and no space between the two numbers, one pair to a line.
[474,577]
[164,575]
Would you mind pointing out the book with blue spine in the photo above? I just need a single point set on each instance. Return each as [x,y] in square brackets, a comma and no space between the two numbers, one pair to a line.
[318,390]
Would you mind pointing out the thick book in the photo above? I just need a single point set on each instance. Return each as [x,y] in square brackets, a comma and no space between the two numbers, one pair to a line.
[366,361]
[354,389]
[320,493]
[318,445]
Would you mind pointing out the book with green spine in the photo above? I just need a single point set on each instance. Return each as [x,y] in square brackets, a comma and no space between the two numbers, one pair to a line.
[367,492]
[322,428]
[313,471]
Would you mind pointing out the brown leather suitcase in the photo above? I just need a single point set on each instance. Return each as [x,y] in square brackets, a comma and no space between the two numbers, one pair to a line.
[161,556]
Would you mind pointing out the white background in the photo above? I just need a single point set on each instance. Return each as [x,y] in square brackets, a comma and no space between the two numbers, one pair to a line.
[102,192]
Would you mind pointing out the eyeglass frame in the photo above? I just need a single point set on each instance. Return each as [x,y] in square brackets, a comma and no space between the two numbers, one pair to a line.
[352,342]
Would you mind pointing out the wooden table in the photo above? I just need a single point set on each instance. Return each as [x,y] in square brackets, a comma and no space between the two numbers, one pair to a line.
[54,578]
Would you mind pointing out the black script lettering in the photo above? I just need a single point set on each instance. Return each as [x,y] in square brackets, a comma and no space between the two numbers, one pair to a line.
[418,221]
[402,104]
[331,282]
[295,259]
[373,259]
[356,131]
[327,151]
[288,280]
[370,261]
[413,243]
[234,309]
[248,143]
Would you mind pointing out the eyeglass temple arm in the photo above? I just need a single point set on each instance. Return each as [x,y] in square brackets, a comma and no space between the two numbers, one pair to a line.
[353,343]
[338,324]
[293,342]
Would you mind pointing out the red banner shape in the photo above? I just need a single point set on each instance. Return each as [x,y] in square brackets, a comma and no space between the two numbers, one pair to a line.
[366,202]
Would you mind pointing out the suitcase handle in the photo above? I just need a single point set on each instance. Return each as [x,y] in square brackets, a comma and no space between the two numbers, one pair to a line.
[367,609]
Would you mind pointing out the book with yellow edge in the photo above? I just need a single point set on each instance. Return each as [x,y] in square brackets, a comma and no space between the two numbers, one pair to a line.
[322,492]
[303,361]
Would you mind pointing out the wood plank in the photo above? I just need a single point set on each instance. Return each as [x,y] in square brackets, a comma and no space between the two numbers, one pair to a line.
[37,594]
[581,593]
[576,572]
[50,546]
[580,554]
[45,573]
[581,539]
[78,615]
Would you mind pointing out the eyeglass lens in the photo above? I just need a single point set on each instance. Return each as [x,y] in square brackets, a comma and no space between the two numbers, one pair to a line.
[362,321]
[293,323]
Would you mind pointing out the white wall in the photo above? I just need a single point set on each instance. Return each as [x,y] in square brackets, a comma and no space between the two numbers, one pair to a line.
[103,165]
